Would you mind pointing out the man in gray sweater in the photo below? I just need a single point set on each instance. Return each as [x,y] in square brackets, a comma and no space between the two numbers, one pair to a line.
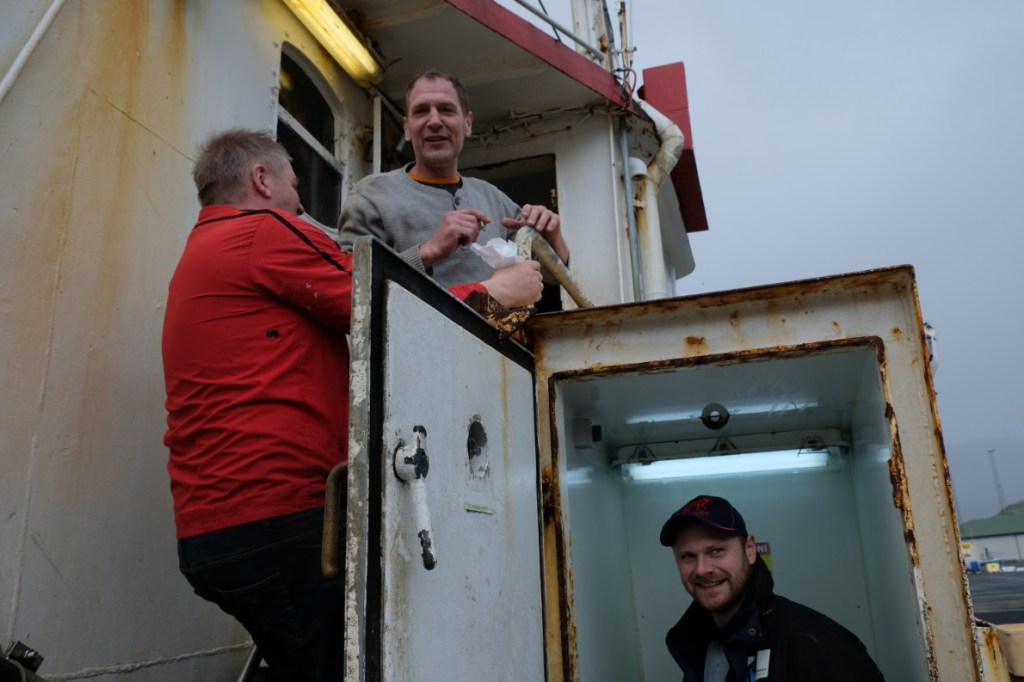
[426,211]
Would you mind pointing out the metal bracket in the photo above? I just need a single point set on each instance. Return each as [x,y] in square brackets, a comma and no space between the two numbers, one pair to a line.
[25,655]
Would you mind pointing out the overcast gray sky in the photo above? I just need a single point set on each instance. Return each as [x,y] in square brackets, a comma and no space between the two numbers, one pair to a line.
[839,137]
[836,137]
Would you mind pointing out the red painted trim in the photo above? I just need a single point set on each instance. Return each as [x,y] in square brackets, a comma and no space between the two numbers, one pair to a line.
[538,43]
[664,89]
[691,198]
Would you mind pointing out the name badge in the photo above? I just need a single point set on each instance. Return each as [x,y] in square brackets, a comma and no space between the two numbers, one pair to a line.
[761,664]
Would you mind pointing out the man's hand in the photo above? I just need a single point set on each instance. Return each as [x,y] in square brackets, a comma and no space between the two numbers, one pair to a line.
[516,285]
[457,228]
[546,222]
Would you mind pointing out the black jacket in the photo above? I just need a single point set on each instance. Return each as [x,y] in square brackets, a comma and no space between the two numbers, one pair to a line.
[804,645]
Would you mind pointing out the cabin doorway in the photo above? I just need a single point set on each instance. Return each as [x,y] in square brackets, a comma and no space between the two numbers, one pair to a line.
[529,180]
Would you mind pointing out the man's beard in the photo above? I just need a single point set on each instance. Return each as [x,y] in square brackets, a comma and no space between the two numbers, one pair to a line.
[740,584]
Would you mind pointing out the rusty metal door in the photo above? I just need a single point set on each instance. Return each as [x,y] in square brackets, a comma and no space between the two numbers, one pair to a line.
[443,551]
[867,539]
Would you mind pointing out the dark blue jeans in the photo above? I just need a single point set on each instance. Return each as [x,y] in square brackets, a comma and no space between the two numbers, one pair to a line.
[267,575]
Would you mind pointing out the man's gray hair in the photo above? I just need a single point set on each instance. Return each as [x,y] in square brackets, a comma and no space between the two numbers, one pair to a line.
[226,159]
[434,74]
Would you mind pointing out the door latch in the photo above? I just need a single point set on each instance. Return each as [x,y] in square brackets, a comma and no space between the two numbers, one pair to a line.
[412,466]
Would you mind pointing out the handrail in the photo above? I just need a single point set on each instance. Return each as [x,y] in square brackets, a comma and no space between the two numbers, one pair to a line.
[558,27]
[332,519]
[530,243]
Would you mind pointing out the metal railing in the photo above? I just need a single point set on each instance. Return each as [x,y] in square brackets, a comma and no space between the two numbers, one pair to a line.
[529,243]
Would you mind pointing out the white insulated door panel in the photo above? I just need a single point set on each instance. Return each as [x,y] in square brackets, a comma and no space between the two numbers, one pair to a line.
[477,614]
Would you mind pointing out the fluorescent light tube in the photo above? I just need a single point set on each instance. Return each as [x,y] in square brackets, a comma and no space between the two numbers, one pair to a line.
[338,39]
[734,407]
[760,462]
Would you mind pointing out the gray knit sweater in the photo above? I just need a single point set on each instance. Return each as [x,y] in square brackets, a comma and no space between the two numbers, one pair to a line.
[404,214]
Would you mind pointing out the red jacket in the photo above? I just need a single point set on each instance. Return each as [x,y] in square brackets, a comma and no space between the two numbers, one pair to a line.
[256,368]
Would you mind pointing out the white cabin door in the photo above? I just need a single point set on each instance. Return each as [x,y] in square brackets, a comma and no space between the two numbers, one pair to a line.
[444,568]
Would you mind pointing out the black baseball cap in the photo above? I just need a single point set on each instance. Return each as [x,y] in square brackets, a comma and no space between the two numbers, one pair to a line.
[714,512]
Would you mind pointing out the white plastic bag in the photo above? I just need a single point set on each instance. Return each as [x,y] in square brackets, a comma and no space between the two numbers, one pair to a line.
[498,253]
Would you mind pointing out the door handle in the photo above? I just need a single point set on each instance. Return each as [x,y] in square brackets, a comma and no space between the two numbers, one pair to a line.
[332,520]
[412,466]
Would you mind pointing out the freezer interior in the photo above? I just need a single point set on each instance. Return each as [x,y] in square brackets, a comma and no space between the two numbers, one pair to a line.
[835,538]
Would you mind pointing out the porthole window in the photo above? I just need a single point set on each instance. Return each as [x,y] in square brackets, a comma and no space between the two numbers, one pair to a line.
[476,447]
[306,126]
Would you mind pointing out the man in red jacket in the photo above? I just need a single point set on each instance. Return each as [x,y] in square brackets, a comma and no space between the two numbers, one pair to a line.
[256,368]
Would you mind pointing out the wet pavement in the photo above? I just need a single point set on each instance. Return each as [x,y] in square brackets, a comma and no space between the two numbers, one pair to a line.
[998,599]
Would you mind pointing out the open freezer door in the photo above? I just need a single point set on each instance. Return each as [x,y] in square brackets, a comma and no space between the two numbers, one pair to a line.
[443,565]
[808,404]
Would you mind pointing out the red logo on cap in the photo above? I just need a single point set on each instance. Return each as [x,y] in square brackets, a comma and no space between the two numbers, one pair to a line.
[698,507]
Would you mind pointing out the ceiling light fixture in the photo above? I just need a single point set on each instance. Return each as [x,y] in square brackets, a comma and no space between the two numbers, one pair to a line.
[735,408]
[755,453]
[338,39]
[731,465]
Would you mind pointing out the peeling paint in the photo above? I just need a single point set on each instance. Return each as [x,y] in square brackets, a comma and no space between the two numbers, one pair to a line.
[993,665]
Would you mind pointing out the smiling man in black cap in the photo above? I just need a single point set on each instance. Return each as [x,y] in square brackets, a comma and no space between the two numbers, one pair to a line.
[737,629]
